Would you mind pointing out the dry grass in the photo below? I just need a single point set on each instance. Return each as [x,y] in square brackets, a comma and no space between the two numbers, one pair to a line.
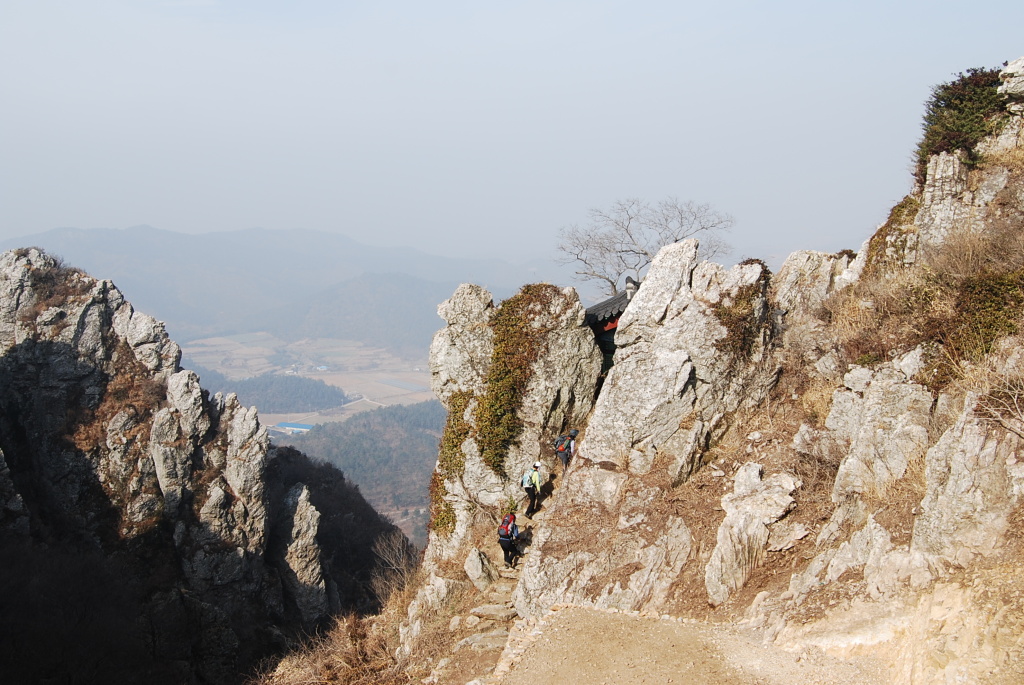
[965,253]
[362,650]
[816,400]
[801,398]
[957,300]
[576,530]
[697,502]
[1012,159]
[875,319]
[353,652]
[896,504]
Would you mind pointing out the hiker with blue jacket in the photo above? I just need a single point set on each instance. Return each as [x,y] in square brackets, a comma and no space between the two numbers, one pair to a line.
[531,484]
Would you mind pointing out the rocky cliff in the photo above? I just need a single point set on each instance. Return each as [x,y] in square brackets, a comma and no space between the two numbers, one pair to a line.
[828,455]
[149,532]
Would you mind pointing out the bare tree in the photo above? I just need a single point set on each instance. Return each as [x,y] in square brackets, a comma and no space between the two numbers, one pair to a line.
[396,564]
[623,240]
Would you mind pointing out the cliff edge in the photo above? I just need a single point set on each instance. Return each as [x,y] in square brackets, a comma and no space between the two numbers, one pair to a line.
[150,532]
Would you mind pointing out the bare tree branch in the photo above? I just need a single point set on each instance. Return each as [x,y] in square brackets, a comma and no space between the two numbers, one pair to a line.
[623,240]
[396,564]
[1003,402]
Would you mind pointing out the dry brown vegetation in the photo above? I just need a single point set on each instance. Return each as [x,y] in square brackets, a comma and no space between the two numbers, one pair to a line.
[815,399]
[55,286]
[354,651]
[957,300]
[895,507]
[363,650]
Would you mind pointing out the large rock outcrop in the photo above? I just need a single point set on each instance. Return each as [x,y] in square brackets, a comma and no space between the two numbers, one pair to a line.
[469,365]
[528,368]
[873,495]
[957,197]
[113,451]
[687,346]
[692,351]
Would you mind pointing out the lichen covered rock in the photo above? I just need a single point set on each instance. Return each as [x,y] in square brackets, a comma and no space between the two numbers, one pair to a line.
[514,377]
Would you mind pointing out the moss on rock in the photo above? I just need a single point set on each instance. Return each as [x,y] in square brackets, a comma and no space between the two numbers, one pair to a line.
[520,337]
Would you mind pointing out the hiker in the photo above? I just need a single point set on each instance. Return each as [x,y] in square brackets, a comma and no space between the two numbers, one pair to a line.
[531,483]
[508,535]
[565,447]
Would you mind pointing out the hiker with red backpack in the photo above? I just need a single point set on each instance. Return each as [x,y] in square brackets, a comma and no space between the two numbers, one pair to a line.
[565,447]
[508,535]
[531,484]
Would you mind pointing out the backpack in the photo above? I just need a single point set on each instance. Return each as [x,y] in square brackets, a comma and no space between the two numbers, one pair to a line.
[527,480]
[505,529]
[562,443]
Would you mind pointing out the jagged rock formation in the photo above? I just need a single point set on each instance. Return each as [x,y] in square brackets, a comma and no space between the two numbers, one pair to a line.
[688,340]
[542,340]
[113,453]
[742,539]
[691,352]
[558,393]
[873,502]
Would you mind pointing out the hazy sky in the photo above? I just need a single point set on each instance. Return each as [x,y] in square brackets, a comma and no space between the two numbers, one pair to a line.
[473,128]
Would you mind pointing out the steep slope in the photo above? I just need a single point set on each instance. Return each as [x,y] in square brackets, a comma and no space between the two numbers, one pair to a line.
[828,456]
[150,532]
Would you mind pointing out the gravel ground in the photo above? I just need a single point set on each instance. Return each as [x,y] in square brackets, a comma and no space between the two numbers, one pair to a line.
[579,645]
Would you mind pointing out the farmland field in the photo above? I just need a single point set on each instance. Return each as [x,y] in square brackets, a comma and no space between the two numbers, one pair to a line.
[373,376]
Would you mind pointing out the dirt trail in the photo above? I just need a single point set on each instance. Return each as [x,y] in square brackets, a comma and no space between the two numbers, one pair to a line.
[577,645]
[582,645]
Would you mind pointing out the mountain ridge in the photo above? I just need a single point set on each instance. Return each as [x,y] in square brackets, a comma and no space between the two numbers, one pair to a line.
[258,279]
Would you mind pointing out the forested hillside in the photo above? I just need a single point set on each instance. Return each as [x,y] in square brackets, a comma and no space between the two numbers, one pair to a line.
[390,453]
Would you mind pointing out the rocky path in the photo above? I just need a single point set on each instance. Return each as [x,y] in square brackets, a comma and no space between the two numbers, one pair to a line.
[482,634]
[581,645]
[574,644]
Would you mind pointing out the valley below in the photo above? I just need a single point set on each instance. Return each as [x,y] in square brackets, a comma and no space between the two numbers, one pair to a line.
[373,378]
[372,374]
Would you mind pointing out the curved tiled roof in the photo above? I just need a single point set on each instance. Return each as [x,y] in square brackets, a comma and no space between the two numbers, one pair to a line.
[613,307]
[609,309]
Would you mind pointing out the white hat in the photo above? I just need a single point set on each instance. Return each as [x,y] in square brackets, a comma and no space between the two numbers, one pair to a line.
[536,464]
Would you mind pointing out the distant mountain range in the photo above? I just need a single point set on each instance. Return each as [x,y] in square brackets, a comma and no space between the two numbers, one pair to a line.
[295,283]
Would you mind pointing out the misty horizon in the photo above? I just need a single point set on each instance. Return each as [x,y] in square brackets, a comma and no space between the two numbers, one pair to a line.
[472,129]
